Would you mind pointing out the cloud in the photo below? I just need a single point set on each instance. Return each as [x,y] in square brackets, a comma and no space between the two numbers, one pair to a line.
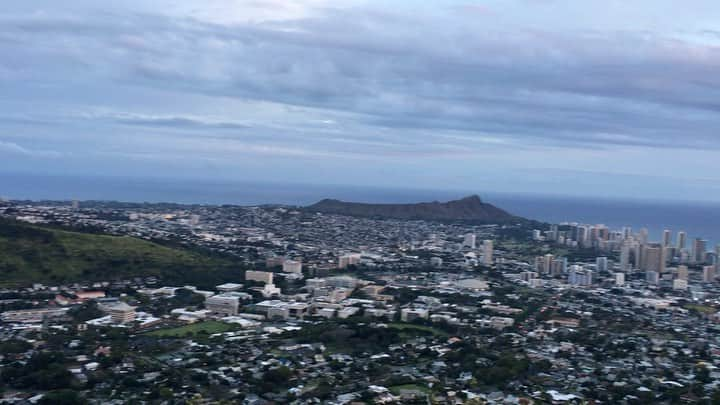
[318,80]
[178,122]
[15,149]
[530,86]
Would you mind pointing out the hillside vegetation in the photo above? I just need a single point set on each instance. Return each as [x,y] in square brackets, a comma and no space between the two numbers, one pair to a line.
[31,253]
[471,209]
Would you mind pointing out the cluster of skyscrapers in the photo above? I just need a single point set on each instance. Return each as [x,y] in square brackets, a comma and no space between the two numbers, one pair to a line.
[636,253]
[470,241]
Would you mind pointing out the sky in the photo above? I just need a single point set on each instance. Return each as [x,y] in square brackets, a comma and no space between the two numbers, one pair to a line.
[597,98]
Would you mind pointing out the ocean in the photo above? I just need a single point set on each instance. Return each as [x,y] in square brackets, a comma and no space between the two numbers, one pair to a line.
[698,219]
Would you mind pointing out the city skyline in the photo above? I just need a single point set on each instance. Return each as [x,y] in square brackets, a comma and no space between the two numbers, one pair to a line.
[359,202]
[523,96]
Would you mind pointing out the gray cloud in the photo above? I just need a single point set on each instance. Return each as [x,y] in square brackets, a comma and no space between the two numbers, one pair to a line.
[15,149]
[177,122]
[354,82]
[588,88]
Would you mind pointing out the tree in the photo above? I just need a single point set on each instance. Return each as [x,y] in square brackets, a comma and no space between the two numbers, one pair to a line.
[46,371]
[14,346]
[702,374]
[86,312]
[62,397]
[278,376]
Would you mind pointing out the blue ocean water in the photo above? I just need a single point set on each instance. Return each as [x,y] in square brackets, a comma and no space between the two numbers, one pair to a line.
[696,218]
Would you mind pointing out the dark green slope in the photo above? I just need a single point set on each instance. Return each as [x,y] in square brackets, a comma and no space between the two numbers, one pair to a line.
[468,209]
[30,253]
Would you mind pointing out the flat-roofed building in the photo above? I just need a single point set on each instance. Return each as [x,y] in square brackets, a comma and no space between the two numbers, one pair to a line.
[342,281]
[292,266]
[259,276]
[223,304]
[120,312]
[680,284]
[410,314]
[348,260]
[228,287]
[32,315]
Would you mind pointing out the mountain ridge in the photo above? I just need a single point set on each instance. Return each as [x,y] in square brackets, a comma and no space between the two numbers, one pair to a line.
[470,208]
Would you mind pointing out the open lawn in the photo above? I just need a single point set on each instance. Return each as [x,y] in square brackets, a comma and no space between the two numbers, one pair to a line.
[208,327]
[398,389]
[411,327]
[704,309]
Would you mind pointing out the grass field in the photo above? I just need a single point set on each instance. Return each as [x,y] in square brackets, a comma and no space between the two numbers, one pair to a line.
[398,389]
[704,309]
[411,327]
[208,327]
[35,254]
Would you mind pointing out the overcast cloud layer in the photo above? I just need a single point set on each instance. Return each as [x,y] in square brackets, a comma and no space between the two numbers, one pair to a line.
[609,98]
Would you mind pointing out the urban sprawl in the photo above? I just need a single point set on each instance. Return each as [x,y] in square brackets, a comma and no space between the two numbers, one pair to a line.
[339,310]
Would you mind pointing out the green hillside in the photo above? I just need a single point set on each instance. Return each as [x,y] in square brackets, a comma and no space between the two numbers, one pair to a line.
[30,253]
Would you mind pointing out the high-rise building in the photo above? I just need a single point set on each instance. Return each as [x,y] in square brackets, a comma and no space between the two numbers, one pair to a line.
[579,276]
[543,264]
[554,233]
[469,240]
[637,254]
[559,266]
[643,236]
[708,274]
[582,235]
[547,262]
[667,238]
[652,277]
[625,257]
[681,238]
[653,258]
[601,264]
[539,265]
[699,250]
[488,252]
[684,256]
[603,232]
[682,272]
[663,259]
[619,279]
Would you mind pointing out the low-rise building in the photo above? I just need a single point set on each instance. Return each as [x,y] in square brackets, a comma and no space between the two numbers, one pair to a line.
[32,315]
[410,314]
[229,287]
[292,266]
[259,276]
[120,312]
[223,304]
